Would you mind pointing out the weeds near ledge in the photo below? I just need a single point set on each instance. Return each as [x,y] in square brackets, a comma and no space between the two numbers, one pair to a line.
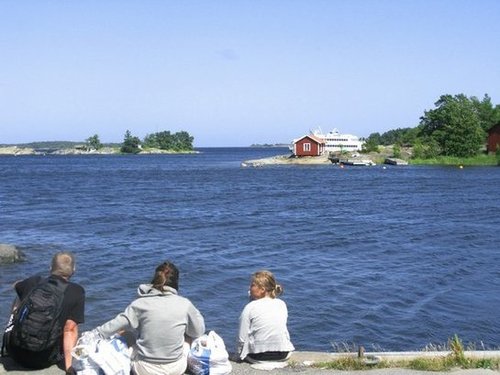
[455,359]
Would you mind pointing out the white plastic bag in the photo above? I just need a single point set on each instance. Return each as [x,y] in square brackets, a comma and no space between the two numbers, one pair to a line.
[208,356]
[112,356]
[82,363]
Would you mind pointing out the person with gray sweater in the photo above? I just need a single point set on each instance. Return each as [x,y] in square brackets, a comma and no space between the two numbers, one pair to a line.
[162,321]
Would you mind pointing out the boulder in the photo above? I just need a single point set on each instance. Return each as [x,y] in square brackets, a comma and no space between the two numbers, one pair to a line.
[10,254]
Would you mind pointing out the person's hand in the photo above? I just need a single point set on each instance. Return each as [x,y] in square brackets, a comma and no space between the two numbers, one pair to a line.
[70,371]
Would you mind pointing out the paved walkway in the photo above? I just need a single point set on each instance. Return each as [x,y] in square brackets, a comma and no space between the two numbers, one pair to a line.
[300,366]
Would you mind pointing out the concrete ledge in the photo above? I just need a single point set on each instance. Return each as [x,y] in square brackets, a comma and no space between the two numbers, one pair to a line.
[303,361]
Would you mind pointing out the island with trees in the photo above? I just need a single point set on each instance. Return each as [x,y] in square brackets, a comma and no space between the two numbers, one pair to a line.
[163,142]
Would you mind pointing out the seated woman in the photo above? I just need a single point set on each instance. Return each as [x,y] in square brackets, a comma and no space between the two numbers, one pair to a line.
[160,319]
[263,333]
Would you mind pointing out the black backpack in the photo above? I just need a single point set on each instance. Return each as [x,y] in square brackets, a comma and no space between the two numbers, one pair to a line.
[37,324]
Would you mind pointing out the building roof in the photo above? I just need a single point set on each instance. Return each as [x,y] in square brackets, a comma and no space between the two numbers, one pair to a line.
[494,128]
[312,137]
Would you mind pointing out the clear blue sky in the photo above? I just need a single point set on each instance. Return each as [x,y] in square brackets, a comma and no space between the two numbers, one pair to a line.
[236,72]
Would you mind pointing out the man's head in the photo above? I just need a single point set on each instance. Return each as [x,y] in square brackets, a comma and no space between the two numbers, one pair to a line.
[63,264]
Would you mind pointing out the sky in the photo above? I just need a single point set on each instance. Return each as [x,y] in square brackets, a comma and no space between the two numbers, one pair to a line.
[237,72]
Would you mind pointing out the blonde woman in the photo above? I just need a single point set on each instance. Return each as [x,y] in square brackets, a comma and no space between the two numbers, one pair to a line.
[263,333]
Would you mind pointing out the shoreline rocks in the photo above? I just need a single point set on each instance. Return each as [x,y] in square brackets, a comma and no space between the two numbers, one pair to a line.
[17,151]
[287,160]
[10,254]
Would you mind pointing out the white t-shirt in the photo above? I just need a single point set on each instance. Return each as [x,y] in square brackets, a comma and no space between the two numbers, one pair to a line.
[263,327]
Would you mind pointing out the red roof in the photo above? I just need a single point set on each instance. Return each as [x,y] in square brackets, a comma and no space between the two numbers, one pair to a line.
[313,137]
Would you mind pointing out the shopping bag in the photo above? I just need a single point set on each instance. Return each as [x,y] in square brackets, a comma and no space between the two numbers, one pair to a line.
[97,356]
[112,356]
[82,362]
[208,356]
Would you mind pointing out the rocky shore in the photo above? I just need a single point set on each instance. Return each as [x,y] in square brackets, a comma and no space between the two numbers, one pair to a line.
[372,158]
[10,254]
[287,160]
[17,151]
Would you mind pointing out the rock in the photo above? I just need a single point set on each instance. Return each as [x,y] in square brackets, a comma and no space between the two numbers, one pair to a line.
[10,254]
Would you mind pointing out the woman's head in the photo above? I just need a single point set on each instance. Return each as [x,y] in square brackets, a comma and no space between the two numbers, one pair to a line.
[166,274]
[264,284]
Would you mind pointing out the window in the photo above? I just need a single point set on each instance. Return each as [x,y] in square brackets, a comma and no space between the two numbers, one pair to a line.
[306,147]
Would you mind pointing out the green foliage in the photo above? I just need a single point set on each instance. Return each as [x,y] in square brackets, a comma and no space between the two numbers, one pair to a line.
[396,151]
[455,125]
[481,159]
[425,149]
[431,364]
[371,144]
[488,115]
[403,136]
[497,154]
[352,363]
[457,352]
[180,141]
[93,143]
[130,144]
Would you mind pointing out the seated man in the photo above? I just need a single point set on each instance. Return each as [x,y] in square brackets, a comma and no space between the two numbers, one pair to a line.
[38,344]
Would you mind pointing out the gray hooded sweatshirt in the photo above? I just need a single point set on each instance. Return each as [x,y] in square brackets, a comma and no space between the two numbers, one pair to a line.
[160,321]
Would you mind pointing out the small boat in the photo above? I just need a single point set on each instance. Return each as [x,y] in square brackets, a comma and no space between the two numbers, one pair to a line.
[358,162]
[395,161]
[353,162]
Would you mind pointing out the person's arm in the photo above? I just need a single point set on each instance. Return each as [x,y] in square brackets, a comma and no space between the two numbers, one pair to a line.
[70,337]
[196,324]
[124,320]
[243,332]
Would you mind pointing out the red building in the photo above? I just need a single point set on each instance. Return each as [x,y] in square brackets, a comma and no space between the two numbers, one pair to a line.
[308,145]
[494,138]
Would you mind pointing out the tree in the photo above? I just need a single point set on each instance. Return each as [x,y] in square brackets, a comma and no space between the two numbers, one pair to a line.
[150,141]
[165,140]
[404,136]
[130,144]
[371,144]
[93,143]
[455,126]
[488,115]
[180,141]
[183,141]
[427,149]
[396,150]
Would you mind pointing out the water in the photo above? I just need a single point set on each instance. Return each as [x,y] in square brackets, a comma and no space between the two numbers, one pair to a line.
[392,259]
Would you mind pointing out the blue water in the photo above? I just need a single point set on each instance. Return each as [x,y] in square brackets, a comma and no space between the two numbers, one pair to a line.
[391,258]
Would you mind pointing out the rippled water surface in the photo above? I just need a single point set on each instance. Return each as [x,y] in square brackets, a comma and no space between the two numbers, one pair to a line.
[393,258]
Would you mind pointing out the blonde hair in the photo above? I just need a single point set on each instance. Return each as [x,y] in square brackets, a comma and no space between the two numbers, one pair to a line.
[265,279]
[63,264]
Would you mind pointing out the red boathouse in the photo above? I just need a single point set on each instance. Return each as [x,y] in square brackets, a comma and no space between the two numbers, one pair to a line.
[308,145]
[493,138]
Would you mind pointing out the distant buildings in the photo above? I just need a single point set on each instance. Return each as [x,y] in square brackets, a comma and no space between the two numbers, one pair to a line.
[317,143]
[308,145]
[493,138]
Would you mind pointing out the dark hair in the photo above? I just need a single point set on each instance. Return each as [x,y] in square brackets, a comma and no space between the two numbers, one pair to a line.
[166,274]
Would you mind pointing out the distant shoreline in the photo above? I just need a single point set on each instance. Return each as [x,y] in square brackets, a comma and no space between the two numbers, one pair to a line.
[30,151]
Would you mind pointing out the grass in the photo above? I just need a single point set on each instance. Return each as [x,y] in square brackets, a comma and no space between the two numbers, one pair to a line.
[455,359]
[479,160]
[445,363]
